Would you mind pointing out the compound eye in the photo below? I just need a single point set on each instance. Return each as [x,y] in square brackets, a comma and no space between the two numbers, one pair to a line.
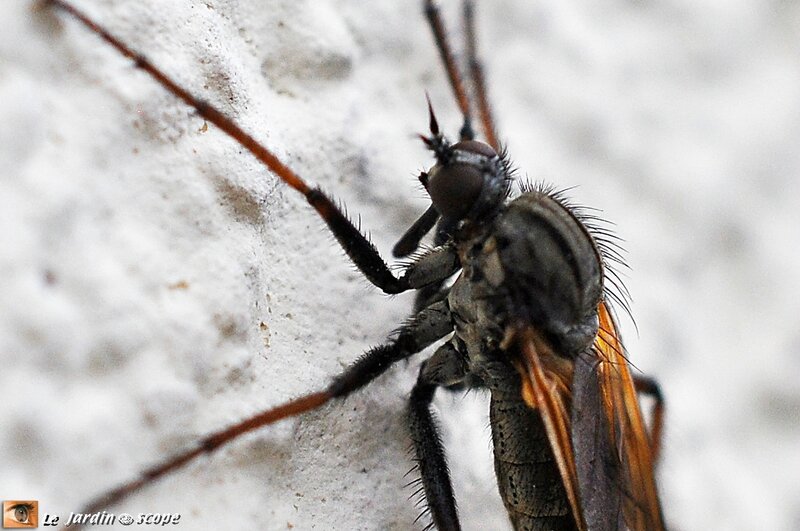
[454,189]
[477,147]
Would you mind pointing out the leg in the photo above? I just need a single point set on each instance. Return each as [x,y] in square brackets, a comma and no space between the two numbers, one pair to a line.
[431,292]
[478,81]
[423,329]
[408,243]
[446,367]
[649,386]
[432,267]
[430,295]
[453,74]
[429,271]
[360,250]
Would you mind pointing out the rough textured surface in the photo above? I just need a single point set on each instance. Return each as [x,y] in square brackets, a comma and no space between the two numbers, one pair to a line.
[157,284]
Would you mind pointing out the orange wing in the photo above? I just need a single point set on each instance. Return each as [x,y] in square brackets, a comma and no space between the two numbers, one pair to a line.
[546,387]
[641,506]
[608,433]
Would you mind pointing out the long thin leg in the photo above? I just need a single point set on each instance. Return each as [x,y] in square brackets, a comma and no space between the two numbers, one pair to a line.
[478,80]
[453,73]
[649,386]
[419,332]
[360,250]
[446,367]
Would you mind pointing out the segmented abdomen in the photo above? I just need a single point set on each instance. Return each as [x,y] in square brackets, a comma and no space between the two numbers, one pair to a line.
[527,474]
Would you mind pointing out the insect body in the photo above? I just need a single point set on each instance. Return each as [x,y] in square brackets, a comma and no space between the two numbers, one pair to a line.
[498,292]
[526,318]
[513,259]
[527,304]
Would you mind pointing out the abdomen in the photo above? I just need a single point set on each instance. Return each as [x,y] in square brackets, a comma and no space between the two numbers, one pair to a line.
[527,474]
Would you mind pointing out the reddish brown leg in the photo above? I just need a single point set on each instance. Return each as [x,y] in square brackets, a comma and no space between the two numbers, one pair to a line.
[419,332]
[208,445]
[453,72]
[649,386]
[425,328]
[360,250]
[478,80]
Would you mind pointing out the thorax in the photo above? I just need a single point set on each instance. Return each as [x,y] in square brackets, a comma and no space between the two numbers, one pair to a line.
[534,263]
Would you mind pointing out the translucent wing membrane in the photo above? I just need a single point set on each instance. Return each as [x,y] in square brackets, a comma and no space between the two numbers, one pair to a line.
[641,506]
[547,389]
[591,413]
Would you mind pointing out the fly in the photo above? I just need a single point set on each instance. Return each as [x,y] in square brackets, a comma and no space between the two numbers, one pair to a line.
[527,319]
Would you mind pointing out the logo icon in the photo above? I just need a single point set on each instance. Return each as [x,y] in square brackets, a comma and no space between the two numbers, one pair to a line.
[125,519]
[20,514]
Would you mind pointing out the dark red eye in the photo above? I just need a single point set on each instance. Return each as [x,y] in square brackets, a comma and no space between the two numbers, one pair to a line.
[454,189]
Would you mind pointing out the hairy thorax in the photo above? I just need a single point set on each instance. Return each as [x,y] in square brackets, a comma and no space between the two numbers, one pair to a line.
[534,263]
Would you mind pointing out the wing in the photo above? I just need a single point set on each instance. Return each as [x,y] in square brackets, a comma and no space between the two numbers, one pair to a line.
[546,387]
[626,428]
[591,414]
[596,458]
